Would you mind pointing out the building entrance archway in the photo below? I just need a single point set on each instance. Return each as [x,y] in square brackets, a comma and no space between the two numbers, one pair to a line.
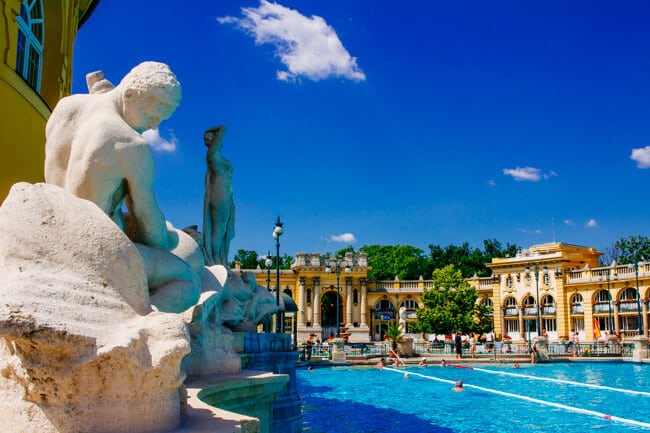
[328,313]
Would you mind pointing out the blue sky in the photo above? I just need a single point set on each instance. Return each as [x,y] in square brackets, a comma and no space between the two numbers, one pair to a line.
[418,122]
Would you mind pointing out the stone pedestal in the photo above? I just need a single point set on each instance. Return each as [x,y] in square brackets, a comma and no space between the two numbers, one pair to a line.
[338,351]
[640,345]
[542,348]
[359,335]
[405,347]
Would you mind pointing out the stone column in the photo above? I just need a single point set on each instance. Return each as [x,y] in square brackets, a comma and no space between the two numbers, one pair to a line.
[301,307]
[522,331]
[316,303]
[616,324]
[348,302]
[639,351]
[364,301]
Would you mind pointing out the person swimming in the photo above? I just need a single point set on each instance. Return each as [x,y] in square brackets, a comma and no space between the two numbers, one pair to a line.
[458,386]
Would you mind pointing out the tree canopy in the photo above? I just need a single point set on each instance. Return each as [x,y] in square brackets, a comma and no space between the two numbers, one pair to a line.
[388,261]
[249,259]
[409,263]
[450,306]
[627,249]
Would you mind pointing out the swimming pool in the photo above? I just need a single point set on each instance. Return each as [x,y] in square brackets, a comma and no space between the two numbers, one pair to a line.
[533,398]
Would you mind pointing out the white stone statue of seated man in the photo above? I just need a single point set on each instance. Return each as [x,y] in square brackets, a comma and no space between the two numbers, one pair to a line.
[94,149]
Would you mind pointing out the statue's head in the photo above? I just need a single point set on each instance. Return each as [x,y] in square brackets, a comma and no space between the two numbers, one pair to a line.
[151,92]
[214,135]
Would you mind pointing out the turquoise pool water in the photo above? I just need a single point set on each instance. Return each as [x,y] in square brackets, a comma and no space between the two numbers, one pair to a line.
[533,398]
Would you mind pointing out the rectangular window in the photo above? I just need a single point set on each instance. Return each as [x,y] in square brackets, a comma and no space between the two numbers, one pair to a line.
[512,326]
[578,324]
[550,325]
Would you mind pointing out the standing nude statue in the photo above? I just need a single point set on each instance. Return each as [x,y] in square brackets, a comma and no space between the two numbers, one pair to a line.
[218,206]
[94,149]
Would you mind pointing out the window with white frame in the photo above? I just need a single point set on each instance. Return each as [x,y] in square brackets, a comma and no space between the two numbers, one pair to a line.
[550,325]
[578,324]
[512,326]
[602,297]
[410,304]
[29,53]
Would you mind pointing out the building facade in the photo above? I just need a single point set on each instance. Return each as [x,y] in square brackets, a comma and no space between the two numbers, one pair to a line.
[554,288]
[37,41]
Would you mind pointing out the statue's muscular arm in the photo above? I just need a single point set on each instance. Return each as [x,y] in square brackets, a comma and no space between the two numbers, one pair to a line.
[138,166]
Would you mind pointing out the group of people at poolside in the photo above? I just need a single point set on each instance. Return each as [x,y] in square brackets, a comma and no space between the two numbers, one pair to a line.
[458,386]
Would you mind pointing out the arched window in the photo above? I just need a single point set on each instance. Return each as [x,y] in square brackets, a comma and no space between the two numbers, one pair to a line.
[384,305]
[510,307]
[288,292]
[488,304]
[410,304]
[576,304]
[602,297]
[628,295]
[29,55]
[529,301]
[548,301]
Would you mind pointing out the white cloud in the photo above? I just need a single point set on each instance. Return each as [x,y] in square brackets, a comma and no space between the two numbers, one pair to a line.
[491,183]
[592,223]
[569,223]
[347,238]
[641,156]
[308,47]
[523,173]
[530,174]
[158,143]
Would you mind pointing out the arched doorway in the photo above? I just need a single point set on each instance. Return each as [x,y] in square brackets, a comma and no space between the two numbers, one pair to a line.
[383,314]
[328,313]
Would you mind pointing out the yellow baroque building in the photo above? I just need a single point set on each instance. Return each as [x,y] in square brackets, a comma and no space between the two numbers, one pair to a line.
[37,40]
[554,288]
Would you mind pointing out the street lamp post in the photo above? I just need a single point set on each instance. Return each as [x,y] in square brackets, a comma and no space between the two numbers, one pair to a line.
[268,262]
[610,303]
[328,269]
[545,272]
[277,232]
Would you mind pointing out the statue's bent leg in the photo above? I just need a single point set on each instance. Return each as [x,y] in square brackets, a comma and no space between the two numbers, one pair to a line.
[173,285]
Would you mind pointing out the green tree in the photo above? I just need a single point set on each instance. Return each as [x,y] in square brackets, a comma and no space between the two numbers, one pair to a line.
[627,249]
[470,260]
[342,251]
[451,305]
[248,259]
[388,261]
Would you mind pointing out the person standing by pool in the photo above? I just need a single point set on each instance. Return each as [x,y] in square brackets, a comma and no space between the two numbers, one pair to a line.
[533,353]
[472,345]
[458,346]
